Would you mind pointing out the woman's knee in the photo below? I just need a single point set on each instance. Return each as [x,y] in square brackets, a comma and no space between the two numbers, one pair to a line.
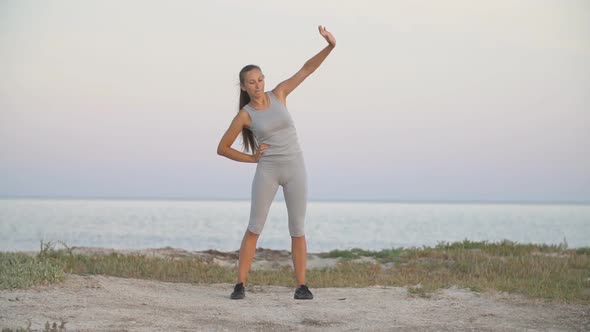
[253,231]
[296,231]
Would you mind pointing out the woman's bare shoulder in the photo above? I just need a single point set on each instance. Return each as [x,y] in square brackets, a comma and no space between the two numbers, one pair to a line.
[279,95]
[244,117]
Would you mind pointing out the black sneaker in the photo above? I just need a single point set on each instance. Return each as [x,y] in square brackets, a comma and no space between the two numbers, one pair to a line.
[239,292]
[303,293]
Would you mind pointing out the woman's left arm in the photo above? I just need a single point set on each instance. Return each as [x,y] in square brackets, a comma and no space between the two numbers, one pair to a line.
[286,87]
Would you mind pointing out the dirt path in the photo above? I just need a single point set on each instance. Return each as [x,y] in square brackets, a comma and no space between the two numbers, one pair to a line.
[102,303]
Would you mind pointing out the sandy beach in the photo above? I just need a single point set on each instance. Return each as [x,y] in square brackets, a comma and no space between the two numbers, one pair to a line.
[104,303]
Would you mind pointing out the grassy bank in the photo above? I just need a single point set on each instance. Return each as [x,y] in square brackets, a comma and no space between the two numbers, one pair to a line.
[542,271]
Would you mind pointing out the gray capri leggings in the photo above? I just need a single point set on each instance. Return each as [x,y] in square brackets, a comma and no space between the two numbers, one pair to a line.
[270,173]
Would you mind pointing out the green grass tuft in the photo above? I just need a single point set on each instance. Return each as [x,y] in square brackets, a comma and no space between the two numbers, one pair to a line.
[18,270]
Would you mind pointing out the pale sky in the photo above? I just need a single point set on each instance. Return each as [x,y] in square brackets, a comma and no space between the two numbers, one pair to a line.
[429,100]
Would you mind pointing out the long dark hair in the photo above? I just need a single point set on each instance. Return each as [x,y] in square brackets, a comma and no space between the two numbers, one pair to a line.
[248,138]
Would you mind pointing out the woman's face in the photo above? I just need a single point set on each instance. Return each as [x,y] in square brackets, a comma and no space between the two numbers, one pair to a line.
[254,83]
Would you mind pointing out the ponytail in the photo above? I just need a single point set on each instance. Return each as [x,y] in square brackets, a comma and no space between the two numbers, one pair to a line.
[248,138]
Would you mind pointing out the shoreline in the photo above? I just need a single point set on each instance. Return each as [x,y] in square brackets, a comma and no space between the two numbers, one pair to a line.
[264,259]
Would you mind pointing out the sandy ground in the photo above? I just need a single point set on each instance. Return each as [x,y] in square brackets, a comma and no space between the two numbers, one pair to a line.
[102,303]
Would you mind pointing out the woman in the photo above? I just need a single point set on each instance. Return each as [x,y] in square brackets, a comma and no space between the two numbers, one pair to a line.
[268,131]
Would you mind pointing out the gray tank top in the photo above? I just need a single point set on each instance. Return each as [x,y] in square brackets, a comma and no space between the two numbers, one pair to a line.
[274,126]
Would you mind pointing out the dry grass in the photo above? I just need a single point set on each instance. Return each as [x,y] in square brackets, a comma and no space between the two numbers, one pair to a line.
[550,272]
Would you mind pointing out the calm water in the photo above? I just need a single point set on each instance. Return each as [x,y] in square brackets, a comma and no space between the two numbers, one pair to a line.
[201,225]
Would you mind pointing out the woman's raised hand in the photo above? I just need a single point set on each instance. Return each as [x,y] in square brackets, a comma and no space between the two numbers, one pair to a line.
[260,152]
[327,35]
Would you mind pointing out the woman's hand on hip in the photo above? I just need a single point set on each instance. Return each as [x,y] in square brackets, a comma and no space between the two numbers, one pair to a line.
[261,149]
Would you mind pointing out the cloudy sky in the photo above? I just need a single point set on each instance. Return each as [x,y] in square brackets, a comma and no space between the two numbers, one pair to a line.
[429,100]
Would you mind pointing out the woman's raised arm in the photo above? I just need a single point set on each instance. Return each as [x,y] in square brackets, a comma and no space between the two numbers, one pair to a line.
[286,87]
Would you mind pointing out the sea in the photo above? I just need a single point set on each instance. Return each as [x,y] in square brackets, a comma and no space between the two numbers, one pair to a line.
[197,225]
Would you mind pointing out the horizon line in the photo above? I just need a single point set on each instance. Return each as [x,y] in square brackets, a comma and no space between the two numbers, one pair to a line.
[335,200]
